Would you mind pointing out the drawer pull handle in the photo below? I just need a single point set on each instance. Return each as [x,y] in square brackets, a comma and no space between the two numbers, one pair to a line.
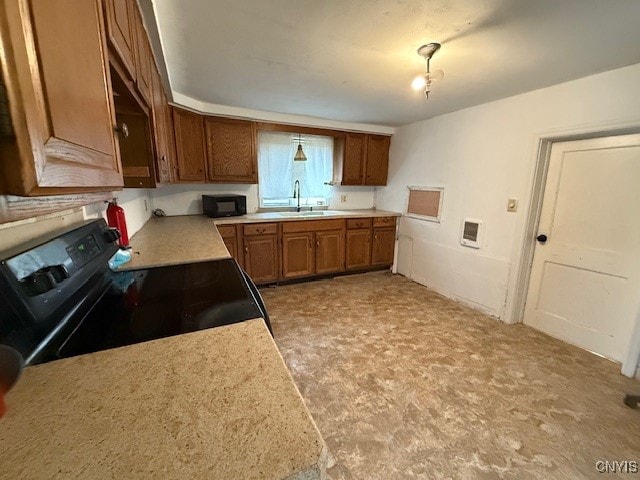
[123,129]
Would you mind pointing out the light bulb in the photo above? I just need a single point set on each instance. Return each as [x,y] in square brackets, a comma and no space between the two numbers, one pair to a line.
[418,83]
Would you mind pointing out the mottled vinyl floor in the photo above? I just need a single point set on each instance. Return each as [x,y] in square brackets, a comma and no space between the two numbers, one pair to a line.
[404,383]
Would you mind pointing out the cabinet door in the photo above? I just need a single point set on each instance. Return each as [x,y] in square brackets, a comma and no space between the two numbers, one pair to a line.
[144,57]
[297,254]
[261,259]
[358,249]
[232,245]
[231,152]
[171,142]
[58,85]
[354,156]
[329,252]
[190,149]
[160,130]
[377,165]
[384,243]
[121,31]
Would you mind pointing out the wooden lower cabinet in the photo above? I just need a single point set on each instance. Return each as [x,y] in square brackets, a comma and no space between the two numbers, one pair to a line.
[297,255]
[329,252]
[261,258]
[358,249]
[384,242]
[288,250]
[232,245]
[232,239]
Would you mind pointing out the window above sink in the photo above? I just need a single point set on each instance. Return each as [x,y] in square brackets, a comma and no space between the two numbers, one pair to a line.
[278,171]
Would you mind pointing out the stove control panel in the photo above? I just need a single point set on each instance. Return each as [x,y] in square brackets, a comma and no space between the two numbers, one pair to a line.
[50,265]
[83,251]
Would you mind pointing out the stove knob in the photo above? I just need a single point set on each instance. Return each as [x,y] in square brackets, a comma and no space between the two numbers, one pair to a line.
[45,279]
[38,283]
[111,235]
[58,272]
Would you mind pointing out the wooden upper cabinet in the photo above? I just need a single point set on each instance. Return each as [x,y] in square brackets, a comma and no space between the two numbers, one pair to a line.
[231,150]
[136,151]
[57,78]
[163,157]
[144,58]
[190,146]
[297,254]
[361,159]
[354,159]
[122,31]
[377,164]
[329,252]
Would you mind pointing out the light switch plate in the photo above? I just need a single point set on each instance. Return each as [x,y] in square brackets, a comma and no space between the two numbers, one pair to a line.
[512,205]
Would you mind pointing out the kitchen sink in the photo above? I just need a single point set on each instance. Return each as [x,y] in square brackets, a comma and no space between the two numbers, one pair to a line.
[319,213]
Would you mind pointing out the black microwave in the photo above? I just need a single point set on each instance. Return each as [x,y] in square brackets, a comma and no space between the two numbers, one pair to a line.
[224,205]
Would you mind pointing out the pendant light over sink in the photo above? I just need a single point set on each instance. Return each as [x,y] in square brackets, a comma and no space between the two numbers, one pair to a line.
[299,156]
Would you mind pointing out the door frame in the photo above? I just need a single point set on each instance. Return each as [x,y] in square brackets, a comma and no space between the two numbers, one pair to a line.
[544,142]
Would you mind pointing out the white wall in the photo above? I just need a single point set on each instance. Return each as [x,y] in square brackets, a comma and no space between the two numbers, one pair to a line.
[482,156]
[136,203]
[186,199]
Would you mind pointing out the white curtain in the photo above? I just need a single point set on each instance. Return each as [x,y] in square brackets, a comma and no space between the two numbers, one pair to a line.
[277,171]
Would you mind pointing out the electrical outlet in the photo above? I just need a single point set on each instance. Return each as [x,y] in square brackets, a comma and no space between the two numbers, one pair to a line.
[512,205]
[343,199]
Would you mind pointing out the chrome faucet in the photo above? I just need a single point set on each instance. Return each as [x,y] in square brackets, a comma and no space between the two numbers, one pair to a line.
[296,193]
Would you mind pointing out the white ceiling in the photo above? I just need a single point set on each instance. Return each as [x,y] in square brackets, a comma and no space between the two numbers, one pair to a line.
[353,60]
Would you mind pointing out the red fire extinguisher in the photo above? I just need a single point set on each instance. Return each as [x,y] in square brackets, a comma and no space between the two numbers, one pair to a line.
[116,219]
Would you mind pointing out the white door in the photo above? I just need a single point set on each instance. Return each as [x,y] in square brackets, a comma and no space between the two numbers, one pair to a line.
[585,279]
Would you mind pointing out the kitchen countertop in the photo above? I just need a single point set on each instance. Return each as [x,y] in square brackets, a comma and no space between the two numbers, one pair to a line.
[288,217]
[217,403]
[194,238]
[174,241]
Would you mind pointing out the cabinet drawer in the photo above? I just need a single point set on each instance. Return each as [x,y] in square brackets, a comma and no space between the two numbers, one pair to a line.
[312,225]
[384,222]
[260,228]
[227,230]
[353,223]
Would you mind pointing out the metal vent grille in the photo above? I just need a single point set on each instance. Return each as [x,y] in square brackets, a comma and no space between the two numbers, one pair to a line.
[471,231]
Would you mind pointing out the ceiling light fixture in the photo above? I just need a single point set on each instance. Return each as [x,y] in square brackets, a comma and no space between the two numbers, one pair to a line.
[424,81]
[300,156]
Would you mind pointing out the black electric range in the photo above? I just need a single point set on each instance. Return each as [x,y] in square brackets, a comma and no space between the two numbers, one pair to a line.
[58,298]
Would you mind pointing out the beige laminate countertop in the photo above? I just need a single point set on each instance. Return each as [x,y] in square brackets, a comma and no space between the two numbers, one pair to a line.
[213,404]
[195,238]
[291,217]
[174,241]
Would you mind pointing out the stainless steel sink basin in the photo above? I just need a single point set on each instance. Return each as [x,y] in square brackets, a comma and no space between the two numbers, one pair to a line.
[319,213]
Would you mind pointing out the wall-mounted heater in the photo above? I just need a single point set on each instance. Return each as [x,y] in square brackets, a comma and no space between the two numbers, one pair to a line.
[471,234]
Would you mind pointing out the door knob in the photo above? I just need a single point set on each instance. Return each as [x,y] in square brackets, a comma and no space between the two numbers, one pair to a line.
[541,238]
